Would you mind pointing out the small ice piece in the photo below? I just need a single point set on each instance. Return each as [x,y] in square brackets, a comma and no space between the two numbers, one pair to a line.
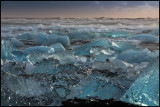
[26,36]
[41,38]
[109,66]
[39,49]
[64,57]
[17,43]
[145,90]
[85,49]
[81,59]
[101,54]
[145,38]
[135,56]
[29,67]
[57,47]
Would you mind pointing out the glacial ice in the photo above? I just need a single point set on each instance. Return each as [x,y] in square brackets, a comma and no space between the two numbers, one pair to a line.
[58,47]
[17,43]
[108,66]
[80,35]
[65,57]
[145,90]
[26,36]
[101,54]
[121,64]
[18,56]
[38,57]
[29,67]
[98,86]
[41,38]
[135,56]
[155,32]
[25,86]
[145,38]
[52,39]
[6,48]
[39,49]
[13,68]
[116,33]
[85,49]
[119,47]
[64,40]
[46,68]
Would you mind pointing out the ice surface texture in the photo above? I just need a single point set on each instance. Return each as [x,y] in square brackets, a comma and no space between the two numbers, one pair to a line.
[85,49]
[145,38]
[135,56]
[6,48]
[26,36]
[17,43]
[145,90]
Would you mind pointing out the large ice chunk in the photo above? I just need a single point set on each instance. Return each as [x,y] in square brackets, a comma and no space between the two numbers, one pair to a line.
[121,63]
[48,66]
[98,86]
[17,43]
[25,86]
[34,57]
[26,36]
[41,38]
[145,90]
[85,49]
[6,49]
[135,56]
[64,57]
[64,40]
[119,47]
[80,35]
[39,49]
[18,56]
[52,39]
[108,66]
[101,54]
[145,38]
[14,68]
[58,47]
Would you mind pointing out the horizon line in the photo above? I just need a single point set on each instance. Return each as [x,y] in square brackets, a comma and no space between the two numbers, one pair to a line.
[77,17]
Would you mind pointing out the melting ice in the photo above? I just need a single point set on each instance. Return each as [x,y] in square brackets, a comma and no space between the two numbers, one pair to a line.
[55,60]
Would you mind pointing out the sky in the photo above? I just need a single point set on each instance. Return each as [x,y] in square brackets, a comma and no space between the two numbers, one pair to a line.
[79,9]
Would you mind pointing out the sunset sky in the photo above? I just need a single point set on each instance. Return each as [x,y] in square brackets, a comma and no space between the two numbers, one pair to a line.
[48,9]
